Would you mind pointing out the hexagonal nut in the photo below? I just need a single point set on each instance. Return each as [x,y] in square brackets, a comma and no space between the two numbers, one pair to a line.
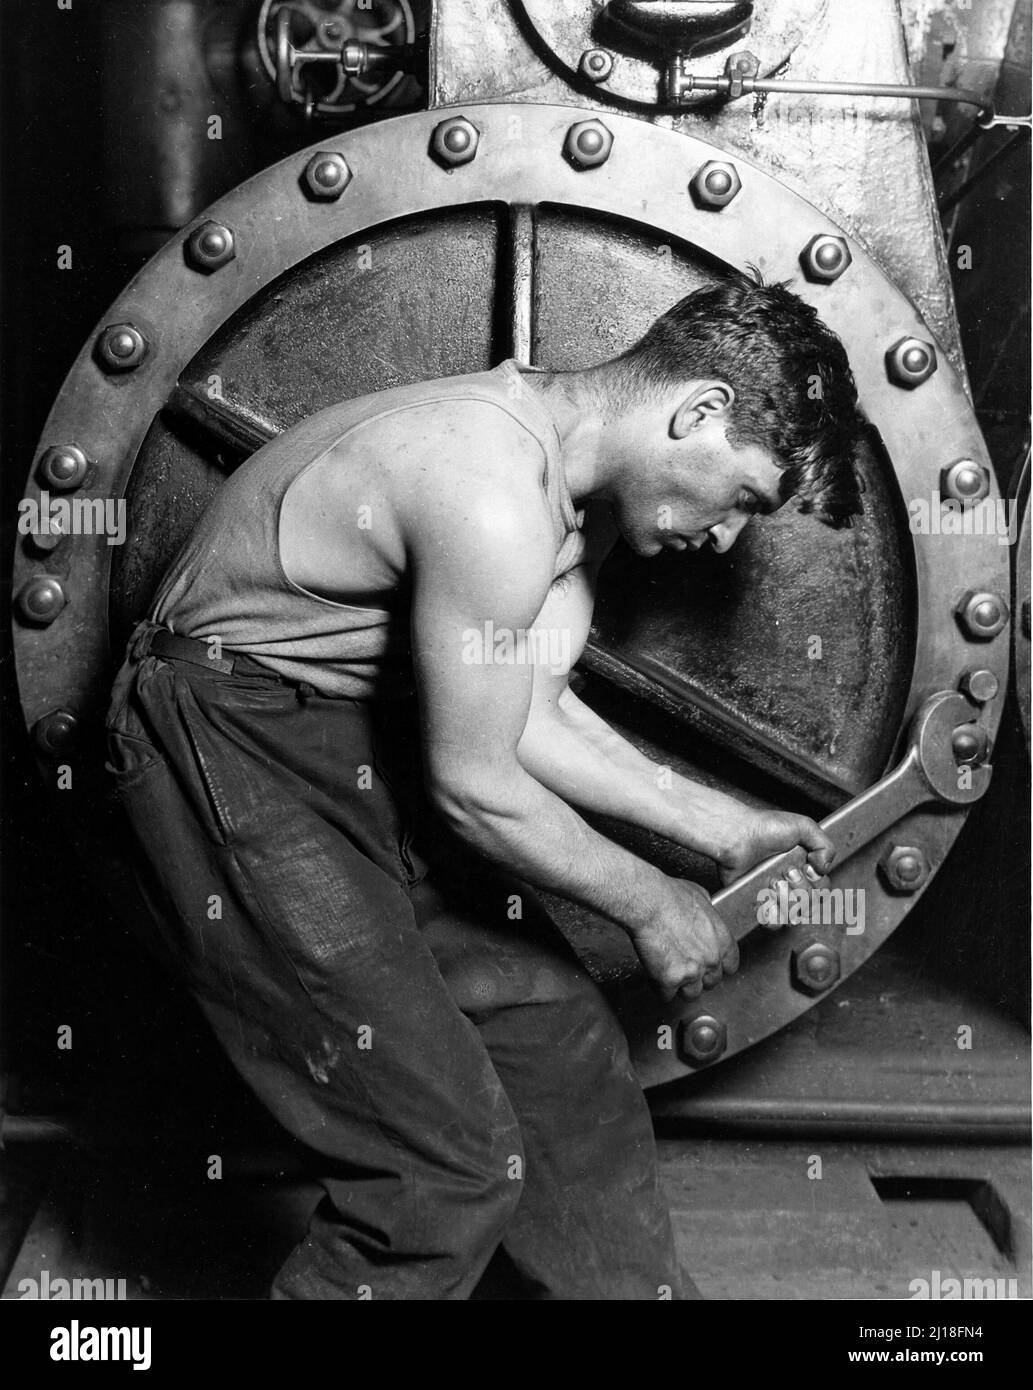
[982,615]
[910,362]
[904,868]
[715,184]
[62,467]
[454,141]
[825,258]
[595,65]
[701,1039]
[964,481]
[120,347]
[209,247]
[815,967]
[326,176]
[41,599]
[587,144]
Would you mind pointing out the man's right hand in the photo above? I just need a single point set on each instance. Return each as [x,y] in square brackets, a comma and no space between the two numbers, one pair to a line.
[685,947]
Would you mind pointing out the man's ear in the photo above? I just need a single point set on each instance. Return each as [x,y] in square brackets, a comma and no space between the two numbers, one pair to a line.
[706,400]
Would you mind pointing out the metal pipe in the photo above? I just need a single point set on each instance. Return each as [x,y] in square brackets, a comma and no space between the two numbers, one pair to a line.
[953,1122]
[985,117]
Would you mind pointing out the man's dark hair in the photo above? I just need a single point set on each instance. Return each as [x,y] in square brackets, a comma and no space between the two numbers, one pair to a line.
[794,390]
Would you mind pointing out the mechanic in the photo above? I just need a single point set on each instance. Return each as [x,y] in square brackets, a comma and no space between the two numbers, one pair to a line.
[342,811]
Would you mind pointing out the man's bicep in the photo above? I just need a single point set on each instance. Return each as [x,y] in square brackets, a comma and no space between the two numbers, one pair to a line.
[474,601]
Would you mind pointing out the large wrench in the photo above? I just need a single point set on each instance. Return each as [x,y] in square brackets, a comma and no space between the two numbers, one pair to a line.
[929,772]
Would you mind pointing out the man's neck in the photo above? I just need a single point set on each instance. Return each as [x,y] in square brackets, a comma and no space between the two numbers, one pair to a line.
[572,401]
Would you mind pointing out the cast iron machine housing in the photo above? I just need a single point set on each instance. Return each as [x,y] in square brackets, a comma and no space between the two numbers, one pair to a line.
[554,196]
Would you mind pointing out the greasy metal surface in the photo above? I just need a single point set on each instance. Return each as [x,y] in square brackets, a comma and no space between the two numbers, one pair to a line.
[566,30]
[276,229]
[854,158]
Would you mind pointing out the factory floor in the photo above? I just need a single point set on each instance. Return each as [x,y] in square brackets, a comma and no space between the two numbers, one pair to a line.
[753,1218]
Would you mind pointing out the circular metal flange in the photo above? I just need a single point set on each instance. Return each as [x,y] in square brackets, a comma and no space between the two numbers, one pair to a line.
[66,664]
[569,32]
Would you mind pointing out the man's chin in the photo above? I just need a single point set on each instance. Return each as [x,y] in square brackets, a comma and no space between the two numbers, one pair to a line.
[645,547]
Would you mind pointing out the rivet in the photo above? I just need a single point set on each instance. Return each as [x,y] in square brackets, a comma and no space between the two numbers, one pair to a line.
[715,184]
[965,481]
[982,615]
[596,64]
[701,1039]
[55,732]
[814,967]
[326,176]
[980,685]
[825,258]
[210,246]
[121,347]
[910,361]
[41,599]
[63,467]
[454,142]
[904,867]
[588,144]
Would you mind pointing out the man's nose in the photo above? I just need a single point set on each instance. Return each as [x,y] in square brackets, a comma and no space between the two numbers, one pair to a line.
[724,534]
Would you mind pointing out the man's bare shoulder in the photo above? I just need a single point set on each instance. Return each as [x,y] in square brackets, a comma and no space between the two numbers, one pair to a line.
[471,460]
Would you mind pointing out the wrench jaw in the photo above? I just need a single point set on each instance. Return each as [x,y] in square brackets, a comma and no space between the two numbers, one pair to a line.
[790,961]
[932,736]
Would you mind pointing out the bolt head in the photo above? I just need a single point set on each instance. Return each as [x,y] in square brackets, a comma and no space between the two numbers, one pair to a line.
[454,142]
[40,599]
[715,184]
[982,615]
[701,1039]
[326,176]
[596,64]
[62,467]
[55,732]
[210,247]
[815,967]
[121,347]
[970,745]
[825,258]
[904,868]
[910,362]
[964,481]
[980,685]
[587,144]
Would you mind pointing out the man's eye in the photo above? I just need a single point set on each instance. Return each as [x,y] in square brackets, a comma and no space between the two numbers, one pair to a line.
[748,503]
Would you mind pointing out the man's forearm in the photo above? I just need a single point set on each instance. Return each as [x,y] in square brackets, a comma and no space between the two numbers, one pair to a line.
[578,756]
[540,838]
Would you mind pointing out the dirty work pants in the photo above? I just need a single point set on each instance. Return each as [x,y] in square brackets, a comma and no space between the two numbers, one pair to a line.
[422,1026]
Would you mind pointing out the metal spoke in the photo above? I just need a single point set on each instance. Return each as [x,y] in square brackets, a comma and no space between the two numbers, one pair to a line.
[718,725]
[519,282]
[232,427]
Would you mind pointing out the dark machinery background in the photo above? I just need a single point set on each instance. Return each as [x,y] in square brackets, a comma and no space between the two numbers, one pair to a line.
[108,151]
